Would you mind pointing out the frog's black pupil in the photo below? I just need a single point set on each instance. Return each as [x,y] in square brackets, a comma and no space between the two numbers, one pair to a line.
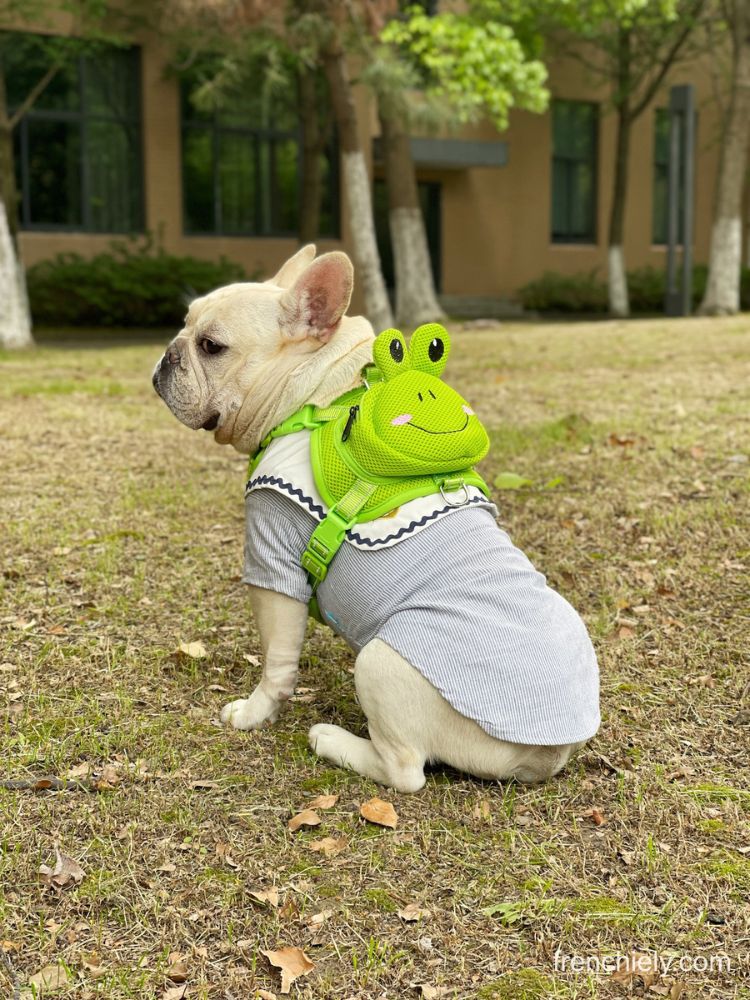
[436,349]
[397,350]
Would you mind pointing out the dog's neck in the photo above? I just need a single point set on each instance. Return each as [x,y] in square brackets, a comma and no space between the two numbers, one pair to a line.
[317,378]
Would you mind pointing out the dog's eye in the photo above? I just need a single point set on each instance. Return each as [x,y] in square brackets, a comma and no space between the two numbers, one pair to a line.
[210,346]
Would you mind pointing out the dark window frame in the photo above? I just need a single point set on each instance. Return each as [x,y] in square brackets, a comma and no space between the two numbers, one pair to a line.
[591,236]
[256,135]
[83,119]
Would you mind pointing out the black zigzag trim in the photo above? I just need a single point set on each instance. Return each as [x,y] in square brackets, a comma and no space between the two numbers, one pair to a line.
[414,524]
[315,508]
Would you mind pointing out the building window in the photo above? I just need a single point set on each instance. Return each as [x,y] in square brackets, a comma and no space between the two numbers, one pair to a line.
[574,169]
[241,168]
[78,150]
[660,209]
[430,200]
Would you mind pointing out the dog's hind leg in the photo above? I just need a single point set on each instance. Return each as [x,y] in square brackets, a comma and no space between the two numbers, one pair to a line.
[392,756]
[411,723]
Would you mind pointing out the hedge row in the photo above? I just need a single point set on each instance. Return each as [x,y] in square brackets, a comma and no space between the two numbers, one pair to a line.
[587,293]
[133,284]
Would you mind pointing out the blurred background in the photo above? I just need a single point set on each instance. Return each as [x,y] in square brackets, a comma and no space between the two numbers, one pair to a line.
[476,159]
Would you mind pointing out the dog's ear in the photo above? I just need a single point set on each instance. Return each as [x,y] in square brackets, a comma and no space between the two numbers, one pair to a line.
[289,272]
[317,300]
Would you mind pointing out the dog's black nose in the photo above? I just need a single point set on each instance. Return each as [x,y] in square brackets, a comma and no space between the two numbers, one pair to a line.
[172,356]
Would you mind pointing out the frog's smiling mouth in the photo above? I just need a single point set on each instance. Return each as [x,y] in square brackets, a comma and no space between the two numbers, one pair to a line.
[457,430]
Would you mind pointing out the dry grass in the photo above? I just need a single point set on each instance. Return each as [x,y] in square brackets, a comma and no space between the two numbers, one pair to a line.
[122,536]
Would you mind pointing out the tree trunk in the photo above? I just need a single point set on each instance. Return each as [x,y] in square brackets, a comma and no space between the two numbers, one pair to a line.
[416,299]
[722,295]
[313,143]
[15,321]
[617,283]
[357,192]
[15,318]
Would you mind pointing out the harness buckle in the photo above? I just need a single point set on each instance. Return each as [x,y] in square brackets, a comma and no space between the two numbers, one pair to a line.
[453,486]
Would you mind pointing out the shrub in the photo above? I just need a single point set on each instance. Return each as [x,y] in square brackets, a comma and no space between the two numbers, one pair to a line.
[584,293]
[133,284]
[565,293]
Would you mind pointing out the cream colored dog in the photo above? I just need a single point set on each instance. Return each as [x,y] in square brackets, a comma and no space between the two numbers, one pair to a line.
[248,357]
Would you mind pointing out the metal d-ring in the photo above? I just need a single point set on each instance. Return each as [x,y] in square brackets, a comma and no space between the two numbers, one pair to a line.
[450,502]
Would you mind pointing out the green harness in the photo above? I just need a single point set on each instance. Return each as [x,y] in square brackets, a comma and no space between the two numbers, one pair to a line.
[403,434]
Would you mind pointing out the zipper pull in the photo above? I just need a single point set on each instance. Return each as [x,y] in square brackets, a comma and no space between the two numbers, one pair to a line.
[353,411]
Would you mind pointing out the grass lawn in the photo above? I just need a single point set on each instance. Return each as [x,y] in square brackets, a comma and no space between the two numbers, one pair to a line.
[121,538]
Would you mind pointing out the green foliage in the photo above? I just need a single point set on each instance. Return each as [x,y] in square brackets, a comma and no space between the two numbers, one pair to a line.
[565,293]
[131,285]
[472,67]
[586,293]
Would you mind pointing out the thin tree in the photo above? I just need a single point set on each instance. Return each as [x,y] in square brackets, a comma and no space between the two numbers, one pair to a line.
[441,71]
[356,178]
[628,47]
[722,295]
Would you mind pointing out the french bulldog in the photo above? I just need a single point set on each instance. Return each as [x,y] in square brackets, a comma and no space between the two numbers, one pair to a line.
[464,655]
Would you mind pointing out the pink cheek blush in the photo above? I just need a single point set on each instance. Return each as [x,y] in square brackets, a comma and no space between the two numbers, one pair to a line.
[468,410]
[403,419]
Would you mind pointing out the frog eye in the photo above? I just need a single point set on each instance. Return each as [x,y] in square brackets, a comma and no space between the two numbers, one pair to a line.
[429,349]
[391,353]
[436,349]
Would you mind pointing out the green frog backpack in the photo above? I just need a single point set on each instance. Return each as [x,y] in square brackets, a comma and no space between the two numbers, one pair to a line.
[403,434]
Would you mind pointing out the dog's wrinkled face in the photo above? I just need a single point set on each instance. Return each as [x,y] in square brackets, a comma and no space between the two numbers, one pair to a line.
[242,346]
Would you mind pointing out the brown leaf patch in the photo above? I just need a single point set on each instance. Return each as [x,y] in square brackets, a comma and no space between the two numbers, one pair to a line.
[308,817]
[380,812]
[292,962]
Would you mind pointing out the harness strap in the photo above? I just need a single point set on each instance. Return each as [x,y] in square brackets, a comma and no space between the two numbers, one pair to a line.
[329,536]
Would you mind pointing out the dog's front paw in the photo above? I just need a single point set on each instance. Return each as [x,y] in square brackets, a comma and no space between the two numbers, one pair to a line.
[252,712]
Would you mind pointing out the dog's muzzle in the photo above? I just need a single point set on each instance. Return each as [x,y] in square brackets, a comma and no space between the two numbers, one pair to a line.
[165,366]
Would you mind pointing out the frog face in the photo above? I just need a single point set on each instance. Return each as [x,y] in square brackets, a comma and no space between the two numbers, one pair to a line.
[420,424]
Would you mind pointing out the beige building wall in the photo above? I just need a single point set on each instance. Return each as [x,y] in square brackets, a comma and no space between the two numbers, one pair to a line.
[495,221]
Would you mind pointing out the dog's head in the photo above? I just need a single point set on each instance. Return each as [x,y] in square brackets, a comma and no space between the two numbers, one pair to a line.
[251,354]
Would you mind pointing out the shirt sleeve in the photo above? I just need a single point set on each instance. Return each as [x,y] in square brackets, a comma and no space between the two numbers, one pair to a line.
[276,534]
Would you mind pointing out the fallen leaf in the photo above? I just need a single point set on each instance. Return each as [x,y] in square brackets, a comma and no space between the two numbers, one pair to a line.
[481,811]
[413,912]
[8,946]
[193,650]
[292,962]
[79,771]
[623,440]
[92,963]
[178,969]
[317,919]
[270,896]
[168,868]
[638,965]
[625,632]
[330,846]
[323,802]
[380,812]
[308,817]
[174,992]
[204,784]
[510,481]
[51,977]
[435,992]
[597,818]
[265,995]
[65,872]
[254,661]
